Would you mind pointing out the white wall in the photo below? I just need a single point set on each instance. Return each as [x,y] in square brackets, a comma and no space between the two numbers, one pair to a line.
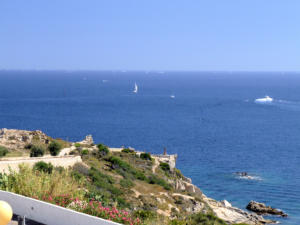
[64,161]
[47,213]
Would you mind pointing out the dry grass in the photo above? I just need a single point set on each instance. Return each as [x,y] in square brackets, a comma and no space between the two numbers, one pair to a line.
[32,183]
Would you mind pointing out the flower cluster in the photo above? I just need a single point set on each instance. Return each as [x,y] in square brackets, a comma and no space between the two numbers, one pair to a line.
[93,208]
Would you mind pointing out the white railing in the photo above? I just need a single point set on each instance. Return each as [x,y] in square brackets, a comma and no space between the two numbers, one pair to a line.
[47,213]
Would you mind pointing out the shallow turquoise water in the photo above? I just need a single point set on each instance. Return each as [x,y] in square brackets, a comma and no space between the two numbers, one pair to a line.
[212,123]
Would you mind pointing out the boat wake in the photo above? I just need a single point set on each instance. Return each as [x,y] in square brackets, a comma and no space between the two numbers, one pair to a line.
[283,104]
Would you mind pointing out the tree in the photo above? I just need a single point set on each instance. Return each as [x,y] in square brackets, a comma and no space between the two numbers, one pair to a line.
[54,148]
[36,151]
[3,151]
[145,156]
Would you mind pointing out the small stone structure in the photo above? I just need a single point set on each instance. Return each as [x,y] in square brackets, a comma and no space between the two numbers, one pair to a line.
[88,140]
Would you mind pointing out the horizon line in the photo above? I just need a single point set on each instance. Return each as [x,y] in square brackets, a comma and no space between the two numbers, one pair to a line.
[149,71]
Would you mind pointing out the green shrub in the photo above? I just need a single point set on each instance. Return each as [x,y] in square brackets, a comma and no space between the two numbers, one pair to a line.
[125,183]
[145,156]
[177,222]
[122,203]
[178,173]
[125,169]
[164,166]
[54,148]
[77,145]
[43,167]
[84,152]
[102,150]
[206,219]
[127,150]
[153,179]
[104,182]
[3,151]
[28,146]
[144,214]
[36,151]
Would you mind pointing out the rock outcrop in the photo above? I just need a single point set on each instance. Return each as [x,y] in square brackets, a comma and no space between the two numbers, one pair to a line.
[182,185]
[17,139]
[233,215]
[262,209]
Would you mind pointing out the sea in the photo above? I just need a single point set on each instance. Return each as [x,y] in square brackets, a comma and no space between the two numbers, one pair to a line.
[210,119]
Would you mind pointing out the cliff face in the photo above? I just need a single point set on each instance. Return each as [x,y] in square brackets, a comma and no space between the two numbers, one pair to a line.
[127,179]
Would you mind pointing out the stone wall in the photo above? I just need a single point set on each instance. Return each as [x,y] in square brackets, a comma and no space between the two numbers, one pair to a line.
[64,161]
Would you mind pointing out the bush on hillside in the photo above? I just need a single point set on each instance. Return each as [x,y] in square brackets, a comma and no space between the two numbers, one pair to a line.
[145,156]
[128,150]
[36,151]
[206,219]
[3,151]
[84,152]
[102,150]
[43,167]
[164,166]
[153,179]
[28,146]
[77,145]
[144,214]
[125,169]
[54,148]
[125,183]
[104,182]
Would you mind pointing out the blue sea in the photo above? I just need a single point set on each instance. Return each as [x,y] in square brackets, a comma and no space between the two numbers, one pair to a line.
[212,123]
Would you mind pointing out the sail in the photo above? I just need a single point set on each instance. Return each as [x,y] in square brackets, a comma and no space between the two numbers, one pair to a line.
[135,88]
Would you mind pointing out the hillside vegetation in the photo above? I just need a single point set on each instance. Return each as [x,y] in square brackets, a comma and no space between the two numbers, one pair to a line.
[123,186]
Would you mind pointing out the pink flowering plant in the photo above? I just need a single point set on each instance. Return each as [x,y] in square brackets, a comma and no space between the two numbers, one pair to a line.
[94,208]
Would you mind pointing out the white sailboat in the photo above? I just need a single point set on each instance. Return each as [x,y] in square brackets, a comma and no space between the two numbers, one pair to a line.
[135,88]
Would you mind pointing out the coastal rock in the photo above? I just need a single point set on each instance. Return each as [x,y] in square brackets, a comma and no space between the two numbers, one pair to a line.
[183,185]
[262,209]
[234,215]
[15,139]
[226,203]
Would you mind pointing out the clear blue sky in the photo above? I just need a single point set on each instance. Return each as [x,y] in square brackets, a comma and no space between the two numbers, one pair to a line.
[150,35]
